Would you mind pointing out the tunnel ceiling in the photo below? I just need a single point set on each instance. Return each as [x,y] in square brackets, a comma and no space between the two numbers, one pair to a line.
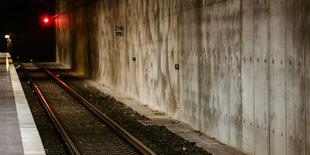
[12,7]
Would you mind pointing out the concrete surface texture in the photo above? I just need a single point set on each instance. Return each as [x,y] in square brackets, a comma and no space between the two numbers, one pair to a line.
[243,74]
[10,136]
[18,131]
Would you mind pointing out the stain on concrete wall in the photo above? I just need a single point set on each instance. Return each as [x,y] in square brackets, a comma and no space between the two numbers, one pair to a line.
[243,73]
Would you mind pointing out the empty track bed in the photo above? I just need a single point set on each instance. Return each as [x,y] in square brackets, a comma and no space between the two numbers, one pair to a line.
[88,133]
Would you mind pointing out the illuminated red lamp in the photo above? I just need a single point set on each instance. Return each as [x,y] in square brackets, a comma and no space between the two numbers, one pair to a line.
[46,20]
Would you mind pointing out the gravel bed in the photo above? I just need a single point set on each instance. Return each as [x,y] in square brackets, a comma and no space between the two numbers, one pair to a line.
[88,132]
[50,138]
[158,138]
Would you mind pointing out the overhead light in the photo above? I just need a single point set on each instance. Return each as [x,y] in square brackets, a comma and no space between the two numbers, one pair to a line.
[7,36]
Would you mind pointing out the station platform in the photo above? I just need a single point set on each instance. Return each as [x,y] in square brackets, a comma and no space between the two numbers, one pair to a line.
[18,132]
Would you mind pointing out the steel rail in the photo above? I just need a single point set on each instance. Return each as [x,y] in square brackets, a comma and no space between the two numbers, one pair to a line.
[68,141]
[117,128]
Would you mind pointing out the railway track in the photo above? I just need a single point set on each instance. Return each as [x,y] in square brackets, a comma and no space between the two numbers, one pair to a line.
[105,136]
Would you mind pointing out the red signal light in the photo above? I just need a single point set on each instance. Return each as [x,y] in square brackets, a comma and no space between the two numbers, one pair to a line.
[46,20]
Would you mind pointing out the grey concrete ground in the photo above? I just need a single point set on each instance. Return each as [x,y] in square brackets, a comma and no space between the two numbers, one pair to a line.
[18,132]
[10,137]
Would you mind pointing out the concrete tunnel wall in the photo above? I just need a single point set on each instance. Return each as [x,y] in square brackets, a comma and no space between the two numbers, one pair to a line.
[244,65]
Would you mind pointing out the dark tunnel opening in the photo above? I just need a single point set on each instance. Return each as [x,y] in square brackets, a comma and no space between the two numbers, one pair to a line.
[30,38]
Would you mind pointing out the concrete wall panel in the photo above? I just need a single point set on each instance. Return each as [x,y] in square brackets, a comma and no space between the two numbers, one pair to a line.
[261,74]
[277,78]
[294,74]
[234,16]
[307,73]
[207,110]
[64,34]
[248,76]
[214,101]
[189,96]
[222,49]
